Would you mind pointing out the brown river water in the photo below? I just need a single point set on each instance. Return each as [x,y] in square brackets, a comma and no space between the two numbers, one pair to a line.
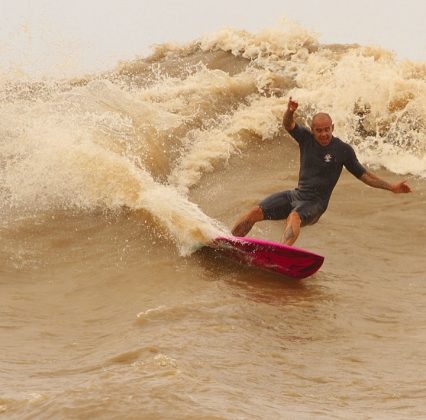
[110,183]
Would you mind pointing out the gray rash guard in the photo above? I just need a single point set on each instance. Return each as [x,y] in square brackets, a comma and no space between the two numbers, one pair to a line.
[321,166]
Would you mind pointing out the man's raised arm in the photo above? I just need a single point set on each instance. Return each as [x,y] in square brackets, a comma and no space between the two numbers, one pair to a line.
[288,118]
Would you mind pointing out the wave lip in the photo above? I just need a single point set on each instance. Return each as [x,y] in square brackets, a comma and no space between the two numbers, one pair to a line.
[147,134]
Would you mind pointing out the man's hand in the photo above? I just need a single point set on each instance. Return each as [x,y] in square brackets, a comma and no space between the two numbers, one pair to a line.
[292,105]
[400,188]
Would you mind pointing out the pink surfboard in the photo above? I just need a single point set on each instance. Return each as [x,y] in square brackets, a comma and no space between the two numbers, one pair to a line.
[290,261]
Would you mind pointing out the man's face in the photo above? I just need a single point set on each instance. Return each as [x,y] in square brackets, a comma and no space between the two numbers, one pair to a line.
[322,129]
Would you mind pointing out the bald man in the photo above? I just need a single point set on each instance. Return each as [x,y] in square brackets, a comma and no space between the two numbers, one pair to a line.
[322,157]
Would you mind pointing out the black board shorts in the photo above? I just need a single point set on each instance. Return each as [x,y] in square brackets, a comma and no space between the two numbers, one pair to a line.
[279,205]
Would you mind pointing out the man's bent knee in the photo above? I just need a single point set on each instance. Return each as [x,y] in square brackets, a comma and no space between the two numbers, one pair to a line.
[246,222]
[256,214]
[294,216]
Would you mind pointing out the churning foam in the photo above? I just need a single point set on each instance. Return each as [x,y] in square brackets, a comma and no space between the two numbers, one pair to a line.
[144,137]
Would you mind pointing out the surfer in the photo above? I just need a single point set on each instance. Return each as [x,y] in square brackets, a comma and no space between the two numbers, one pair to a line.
[322,157]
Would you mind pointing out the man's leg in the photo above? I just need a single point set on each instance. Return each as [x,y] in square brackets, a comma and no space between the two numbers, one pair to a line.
[246,221]
[292,228]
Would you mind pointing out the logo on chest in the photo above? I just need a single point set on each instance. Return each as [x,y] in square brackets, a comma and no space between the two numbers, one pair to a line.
[328,158]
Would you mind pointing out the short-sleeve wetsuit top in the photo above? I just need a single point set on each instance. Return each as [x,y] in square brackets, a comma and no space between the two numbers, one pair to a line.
[321,166]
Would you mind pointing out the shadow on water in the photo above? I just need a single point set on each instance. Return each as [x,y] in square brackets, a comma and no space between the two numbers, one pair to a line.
[260,285]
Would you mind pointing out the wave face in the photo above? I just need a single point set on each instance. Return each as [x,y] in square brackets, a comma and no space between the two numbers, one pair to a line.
[142,136]
[107,180]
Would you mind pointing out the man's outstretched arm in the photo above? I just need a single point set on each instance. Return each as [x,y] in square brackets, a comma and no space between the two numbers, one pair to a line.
[374,181]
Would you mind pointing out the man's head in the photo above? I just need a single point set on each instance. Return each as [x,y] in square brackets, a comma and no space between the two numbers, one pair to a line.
[322,128]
